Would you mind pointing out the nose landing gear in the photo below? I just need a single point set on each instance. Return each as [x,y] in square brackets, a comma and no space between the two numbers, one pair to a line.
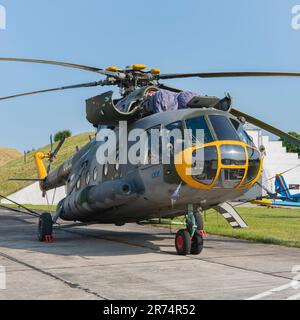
[190,240]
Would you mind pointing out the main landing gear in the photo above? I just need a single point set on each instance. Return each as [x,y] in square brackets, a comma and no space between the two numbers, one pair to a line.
[45,227]
[190,240]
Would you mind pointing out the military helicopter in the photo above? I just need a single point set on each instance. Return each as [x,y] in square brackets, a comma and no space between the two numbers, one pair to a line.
[107,193]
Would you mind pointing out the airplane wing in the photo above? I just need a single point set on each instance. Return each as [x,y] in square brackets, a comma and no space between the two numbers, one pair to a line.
[276,203]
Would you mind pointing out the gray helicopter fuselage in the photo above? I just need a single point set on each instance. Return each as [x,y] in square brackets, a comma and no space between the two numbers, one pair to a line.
[127,193]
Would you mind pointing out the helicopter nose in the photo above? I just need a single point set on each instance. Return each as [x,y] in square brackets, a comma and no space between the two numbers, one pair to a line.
[219,165]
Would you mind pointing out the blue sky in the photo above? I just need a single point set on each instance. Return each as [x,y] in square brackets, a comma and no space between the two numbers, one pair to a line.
[173,35]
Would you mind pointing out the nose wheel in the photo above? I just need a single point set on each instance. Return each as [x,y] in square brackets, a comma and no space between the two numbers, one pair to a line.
[190,240]
[183,242]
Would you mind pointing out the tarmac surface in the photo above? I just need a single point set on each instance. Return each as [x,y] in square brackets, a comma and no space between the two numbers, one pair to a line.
[138,262]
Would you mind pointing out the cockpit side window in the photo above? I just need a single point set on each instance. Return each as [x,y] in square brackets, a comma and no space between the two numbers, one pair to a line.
[174,136]
[242,132]
[199,123]
[223,128]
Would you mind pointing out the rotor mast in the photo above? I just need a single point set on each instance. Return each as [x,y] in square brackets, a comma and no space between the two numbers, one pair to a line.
[132,78]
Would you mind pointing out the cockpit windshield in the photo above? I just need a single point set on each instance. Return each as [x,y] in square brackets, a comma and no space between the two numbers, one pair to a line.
[229,129]
[223,128]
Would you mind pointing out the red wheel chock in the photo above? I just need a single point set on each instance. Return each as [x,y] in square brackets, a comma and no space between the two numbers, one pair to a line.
[49,239]
[203,233]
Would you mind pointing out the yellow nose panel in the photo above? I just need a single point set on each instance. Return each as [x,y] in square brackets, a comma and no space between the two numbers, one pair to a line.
[184,165]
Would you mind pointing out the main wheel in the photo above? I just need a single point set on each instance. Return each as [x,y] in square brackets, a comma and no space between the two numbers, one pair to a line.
[45,226]
[183,242]
[197,243]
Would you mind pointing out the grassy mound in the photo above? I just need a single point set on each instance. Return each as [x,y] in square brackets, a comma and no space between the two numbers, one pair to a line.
[7,155]
[18,169]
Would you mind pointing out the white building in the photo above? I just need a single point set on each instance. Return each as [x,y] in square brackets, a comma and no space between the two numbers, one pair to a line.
[33,195]
[277,160]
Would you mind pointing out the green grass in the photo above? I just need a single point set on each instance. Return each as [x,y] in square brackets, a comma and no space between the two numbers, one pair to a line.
[18,169]
[274,226]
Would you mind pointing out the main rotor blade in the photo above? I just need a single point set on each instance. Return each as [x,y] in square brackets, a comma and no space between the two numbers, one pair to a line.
[76,86]
[228,75]
[61,64]
[263,125]
[165,87]
[25,179]
[54,153]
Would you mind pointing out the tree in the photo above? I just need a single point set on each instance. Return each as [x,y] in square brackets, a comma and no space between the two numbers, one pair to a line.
[62,134]
[290,147]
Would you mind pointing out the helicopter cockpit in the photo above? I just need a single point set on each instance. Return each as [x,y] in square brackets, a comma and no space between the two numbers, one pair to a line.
[231,160]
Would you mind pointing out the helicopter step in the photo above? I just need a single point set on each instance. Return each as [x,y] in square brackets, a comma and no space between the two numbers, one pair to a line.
[190,240]
[231,215]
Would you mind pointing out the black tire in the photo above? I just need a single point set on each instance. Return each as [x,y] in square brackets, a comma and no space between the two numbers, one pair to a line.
[45,226]
[197,243]
[199,221]
[183,242]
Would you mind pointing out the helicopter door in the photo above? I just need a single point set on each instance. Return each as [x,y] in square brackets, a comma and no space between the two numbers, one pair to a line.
[152,172]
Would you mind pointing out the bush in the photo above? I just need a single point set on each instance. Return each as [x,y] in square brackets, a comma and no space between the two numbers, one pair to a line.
[62,134]
[291,147]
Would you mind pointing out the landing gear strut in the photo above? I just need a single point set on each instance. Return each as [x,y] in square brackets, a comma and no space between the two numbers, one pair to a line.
[45,227]
[190,240]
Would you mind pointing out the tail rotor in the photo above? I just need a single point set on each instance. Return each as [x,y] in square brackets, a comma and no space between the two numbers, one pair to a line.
[53,152]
